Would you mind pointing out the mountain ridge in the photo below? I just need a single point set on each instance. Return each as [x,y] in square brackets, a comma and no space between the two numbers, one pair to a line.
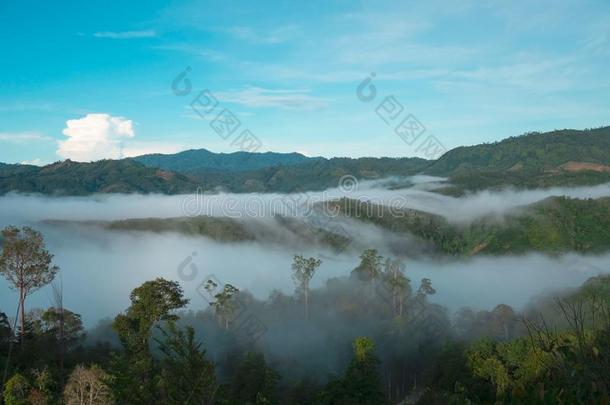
[558,158]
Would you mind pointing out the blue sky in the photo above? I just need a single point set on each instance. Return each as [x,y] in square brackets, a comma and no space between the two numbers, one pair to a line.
[90,80]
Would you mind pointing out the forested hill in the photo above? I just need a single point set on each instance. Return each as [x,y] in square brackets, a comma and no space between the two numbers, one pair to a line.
[105,176]
[533,151]
[130,176]
[204,160]
[555,225]
[535,160]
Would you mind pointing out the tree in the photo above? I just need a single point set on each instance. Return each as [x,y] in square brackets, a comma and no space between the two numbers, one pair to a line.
[361,384]
[370,265]
[42,387]
[16,390]
[303,271]
[63,325]
[133,371]
[399,285]
[5,330]
[187,377]
[87,386]
[503,321]
[226,303]
[26,264]
[254,382]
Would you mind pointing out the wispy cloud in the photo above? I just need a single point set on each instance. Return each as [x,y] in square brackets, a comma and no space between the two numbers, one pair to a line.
[23,137]
[33,162]
[257,97]
[135,148]
[125,34]
[272,36]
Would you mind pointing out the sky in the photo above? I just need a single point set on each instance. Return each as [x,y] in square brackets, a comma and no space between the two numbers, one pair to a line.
[108,79]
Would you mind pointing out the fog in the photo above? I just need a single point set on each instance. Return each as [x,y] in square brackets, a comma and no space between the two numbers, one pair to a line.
[100,267]
[417,194]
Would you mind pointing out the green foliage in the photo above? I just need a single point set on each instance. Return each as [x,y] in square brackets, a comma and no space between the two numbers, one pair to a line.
[532,151]
[303,271]
[104,176]
[554,225]
[16,390]
[370,266]
[254,381]
[361,384]
[202,160]
[530,160]
[25,262]
[186,377]
[134,370]
[233,230]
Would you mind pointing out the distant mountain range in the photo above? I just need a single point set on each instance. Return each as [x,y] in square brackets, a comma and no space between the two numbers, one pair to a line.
[563,157]
[202,160]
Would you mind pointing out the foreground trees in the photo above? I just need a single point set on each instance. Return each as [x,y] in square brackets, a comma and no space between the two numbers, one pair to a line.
[87,386]
[361,384]
[186,376]
[412,352]
[134,369]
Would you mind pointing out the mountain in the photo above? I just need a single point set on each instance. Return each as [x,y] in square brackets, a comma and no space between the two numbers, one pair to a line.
[313,175]
[530,152]
[202,160]
[558,158]
[105,176]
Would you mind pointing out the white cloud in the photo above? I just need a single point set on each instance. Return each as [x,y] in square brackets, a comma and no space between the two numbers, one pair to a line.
[125,34]
[95,137]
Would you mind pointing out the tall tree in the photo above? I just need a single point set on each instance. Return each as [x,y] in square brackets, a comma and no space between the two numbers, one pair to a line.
[303,271]
[134,370]
[226,303]
[398,284]
[370,266]
[26,264]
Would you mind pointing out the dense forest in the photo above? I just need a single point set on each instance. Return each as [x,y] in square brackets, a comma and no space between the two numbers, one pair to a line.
[372,337]
[554,225]
[534,160]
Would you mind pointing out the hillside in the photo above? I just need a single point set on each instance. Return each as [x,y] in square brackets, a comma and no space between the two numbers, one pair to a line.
[313,175]
[202,160]
[105,176]
[555,225]
[529,152]
[278,231]
[558,158]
